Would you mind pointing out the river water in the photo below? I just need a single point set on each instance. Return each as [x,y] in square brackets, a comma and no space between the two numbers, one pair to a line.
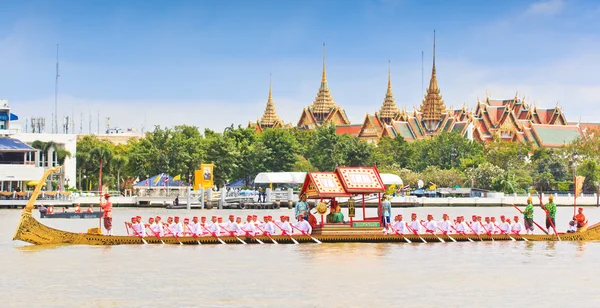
[480,274]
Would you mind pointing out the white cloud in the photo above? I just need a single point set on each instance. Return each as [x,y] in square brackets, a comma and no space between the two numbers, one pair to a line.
[545,8]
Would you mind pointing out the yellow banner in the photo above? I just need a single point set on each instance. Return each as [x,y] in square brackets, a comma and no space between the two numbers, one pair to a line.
[204,176]
[579,184]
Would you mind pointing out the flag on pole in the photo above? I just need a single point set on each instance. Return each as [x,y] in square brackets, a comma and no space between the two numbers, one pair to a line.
[579,185]
[177,177]
[166,180]
[146,182]
[407,186]
[157,178]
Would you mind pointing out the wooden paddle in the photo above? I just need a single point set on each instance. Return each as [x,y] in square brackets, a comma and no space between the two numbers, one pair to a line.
[503,232]
[193,234]
[267,234]
[135,232]
[431,231]
[548,216]
[535,223]
[402,235]
[462,233]
[214,235]
[314,239]
[446,233]
[171,232]
[285,233]
[155,234]
[233,234]
[416,233]
[476,233]
[487,232]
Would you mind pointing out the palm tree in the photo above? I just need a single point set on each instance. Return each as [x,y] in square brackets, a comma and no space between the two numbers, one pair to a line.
[83,160]
[45,156]
[103,154]
[61,156]
[119,162]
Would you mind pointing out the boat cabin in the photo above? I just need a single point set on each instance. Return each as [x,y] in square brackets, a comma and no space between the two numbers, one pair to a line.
[348,185]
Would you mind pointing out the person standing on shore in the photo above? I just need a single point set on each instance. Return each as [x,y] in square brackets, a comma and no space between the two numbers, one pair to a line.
[550,209]
[107,216]
[528,216]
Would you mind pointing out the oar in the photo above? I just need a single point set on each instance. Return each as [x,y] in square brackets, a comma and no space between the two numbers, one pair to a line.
[193,234]
[535,223]
[214,235]
[173,234]
[503,232]
[476,233]
[446,233]
[462,233]
[487,232]
[432,232]
[519,235]
[267,234]
[416,233]
[136,233]
[548,216]
[285,233]
[232,234]
[401,235]
[248,233]
[312,238]
[155,234]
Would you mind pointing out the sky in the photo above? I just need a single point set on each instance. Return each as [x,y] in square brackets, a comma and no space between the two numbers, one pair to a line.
[207,63]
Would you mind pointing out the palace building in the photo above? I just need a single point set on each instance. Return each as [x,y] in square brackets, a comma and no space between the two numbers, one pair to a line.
[507,119]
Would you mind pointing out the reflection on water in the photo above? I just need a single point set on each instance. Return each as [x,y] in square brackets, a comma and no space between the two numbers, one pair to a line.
[307,275]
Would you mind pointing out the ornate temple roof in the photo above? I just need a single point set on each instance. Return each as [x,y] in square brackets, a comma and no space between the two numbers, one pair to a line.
[324,102]
[433,104]
[389,110]
[270,118]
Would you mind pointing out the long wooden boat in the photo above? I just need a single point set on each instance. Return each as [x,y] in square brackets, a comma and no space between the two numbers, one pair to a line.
[71,215]
[32,231]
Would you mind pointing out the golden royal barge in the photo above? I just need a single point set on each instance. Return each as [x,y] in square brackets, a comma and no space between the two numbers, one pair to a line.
[346,181]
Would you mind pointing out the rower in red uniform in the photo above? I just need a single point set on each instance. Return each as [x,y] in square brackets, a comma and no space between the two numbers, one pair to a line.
[107,207]
[580,219]
[90,209]
[77,208]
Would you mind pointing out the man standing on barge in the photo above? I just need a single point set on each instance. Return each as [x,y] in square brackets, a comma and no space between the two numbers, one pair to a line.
[302,207]
[107,216]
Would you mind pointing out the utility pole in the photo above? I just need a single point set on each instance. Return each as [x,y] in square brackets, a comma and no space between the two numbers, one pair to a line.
[55,128]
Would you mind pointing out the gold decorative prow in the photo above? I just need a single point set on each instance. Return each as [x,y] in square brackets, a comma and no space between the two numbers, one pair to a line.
[38,188]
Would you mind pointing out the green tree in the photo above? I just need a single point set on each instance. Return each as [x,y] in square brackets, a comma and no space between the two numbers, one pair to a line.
[221,152]
[393,152]
[102,155]
[354,152]
[118,164]
[323,153]
[281,146]
[590,169]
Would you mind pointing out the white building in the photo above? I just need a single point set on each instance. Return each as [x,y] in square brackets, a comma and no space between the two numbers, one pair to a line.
[20,163]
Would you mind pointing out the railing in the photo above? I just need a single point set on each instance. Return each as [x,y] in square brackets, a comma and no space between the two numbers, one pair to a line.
[44,195]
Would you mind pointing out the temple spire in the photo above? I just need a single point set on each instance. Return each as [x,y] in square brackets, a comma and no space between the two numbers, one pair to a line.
[324,78]
[389,89]
[433,104]
[270,118]
[389,110]
[270,88]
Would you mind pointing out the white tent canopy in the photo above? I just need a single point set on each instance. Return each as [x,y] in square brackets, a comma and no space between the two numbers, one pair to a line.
[389,179]
[280,177]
